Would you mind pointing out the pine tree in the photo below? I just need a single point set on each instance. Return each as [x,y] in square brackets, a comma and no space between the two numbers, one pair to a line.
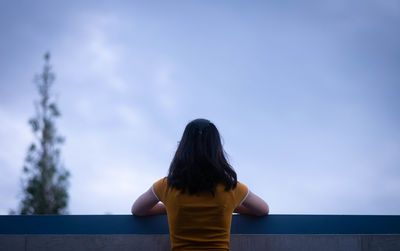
[46,179]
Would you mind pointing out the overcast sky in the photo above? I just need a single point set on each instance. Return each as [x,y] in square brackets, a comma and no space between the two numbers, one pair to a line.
[305,95]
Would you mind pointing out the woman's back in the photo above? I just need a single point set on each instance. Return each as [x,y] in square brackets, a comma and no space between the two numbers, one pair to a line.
[199,221]
[200,192]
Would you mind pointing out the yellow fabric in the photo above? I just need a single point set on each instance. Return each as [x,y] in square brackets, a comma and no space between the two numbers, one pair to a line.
[199,221]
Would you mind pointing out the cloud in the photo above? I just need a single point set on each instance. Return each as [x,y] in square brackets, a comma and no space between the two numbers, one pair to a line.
[304,97]
[132,116]
[112,185]
[91,56]
[166,89]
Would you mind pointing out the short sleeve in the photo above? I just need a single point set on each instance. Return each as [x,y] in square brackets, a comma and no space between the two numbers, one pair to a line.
[159,188]
[241,193]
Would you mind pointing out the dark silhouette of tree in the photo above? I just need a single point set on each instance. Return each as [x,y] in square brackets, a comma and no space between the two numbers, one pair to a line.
[46,180]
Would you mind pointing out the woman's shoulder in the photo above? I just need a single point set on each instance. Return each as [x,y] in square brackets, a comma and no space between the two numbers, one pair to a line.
[161,182]
[240,190]
[159,188]
[163,179]
[240,185]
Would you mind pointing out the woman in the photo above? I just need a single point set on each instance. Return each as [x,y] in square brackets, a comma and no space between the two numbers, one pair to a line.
[200,193]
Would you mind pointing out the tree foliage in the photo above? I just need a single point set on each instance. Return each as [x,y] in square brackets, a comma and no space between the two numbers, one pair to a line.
[46,180]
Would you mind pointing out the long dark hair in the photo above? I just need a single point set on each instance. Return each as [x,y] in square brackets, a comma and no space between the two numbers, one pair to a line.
[199,163]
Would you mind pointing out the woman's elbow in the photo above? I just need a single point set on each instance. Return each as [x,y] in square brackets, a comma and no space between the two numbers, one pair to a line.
[261,213]
[133,211]
[136,212]
[264,211]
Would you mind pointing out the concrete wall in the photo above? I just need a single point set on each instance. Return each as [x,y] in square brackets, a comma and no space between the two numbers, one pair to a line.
[127,232]
[161,242]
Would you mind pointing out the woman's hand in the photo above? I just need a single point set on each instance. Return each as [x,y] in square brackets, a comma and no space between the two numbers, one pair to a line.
[147,204]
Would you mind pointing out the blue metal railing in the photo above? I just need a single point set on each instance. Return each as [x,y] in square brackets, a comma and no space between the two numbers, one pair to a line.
[129,224]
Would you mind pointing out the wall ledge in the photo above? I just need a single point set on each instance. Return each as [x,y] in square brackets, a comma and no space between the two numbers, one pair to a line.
[127,232]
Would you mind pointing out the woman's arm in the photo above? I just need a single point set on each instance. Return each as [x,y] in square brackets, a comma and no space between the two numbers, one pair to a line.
[253,205]
[147,204]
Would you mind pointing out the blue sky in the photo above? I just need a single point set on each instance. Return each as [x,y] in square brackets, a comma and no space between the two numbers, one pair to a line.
[305,95]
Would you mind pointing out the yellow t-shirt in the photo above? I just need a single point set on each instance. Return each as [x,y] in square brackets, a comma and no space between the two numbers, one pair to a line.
[199,221]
